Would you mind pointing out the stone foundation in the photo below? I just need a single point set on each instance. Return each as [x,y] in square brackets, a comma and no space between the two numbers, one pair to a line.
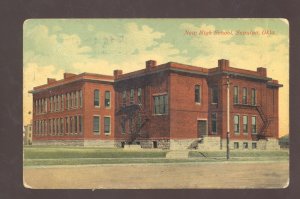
[85,143]
[270,144]
[132,147]
[58,143]
[100,143]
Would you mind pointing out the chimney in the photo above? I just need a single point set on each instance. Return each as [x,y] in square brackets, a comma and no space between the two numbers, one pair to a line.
[117,73]
[262,71]
[50,80]
[223,64]
[150,64]
[67,75]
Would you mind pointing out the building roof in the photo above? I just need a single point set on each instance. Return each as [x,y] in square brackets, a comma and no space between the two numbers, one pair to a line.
[71,78]
[223,68]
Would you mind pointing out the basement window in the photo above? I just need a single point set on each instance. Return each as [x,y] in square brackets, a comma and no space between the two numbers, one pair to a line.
[236,145]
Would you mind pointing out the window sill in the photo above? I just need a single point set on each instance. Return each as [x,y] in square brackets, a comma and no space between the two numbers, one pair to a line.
[198,103]
[159,114]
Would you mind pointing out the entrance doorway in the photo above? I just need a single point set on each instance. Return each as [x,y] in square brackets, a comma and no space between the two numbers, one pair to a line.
[202,128]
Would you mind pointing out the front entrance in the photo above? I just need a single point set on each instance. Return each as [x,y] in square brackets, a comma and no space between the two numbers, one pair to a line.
[202,128]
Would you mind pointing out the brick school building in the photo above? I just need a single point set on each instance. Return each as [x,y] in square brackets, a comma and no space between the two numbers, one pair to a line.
[168,106]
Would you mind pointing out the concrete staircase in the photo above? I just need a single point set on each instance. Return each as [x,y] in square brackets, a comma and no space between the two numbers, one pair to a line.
[209,144]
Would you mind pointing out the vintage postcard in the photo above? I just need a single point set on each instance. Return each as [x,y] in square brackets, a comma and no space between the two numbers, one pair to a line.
[156,103]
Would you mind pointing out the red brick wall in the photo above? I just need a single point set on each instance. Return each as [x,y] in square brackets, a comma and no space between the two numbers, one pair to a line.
[90,110]
[76,86]
[184,112]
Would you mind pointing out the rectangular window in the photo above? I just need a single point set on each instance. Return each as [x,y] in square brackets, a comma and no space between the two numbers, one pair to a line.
[77,99]
[236,121]
[62,125]
[235,95]
[215,95]
[36,107]
[49,126]
[139,120]
[54,103]
[107,99]
[123,124]
[245,145]
[253,96]
[71,125]
[58,126]
[131,96]
[75,124]
[161,104]
[54,126]
[124,98]
[39,106]
[62,102]
[96,124]
[72,99]
[254,145]
[80,123]
[80,98]
[68,101]
[46,105]
[67,125]
[139,95]
[214,123]
[245,124]
[106,124]
[236,145]
[253,124]
[197,94]
[96,98]
[42,105]
[245,95]
[58,104]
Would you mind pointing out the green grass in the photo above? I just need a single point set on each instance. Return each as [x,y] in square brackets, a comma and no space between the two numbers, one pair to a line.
[80,152]
[43,156]
[258,153]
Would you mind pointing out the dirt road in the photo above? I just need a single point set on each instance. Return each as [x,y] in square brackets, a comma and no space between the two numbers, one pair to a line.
[161,176]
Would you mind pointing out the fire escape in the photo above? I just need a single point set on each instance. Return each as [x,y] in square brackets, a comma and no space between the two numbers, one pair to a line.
[261,133]
[265,123]
[134,115]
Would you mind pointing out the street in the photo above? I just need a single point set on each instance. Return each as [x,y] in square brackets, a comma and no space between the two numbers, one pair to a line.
[160,176]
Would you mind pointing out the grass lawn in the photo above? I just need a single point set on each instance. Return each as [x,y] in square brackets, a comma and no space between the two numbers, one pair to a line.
[40,156]
[81,152]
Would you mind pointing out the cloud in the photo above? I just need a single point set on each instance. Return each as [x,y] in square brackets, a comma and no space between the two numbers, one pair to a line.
[35,75]
[57,49]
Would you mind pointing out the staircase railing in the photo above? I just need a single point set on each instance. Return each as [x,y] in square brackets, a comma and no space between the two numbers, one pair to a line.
[265,120]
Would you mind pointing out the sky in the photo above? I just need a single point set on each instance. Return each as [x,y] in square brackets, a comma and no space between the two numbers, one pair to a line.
[54,46]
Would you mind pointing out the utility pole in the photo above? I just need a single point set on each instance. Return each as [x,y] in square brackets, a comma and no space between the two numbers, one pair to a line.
[228,120]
